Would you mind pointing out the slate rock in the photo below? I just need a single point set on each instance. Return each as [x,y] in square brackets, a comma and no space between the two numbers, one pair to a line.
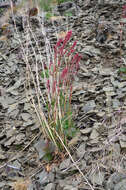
[108,89]
[89,106]
[86,130]
[2,156]
[44,177]
[81,150]
[10,141]
[114,179]
[121,185]
[116,103]
[94,134]
[40,147]
[92,51]
[17,164]
[70,187]
[2,184]
[50,186]
[97,178]
[65,164]
[28,123]
[20,137]
[25,116]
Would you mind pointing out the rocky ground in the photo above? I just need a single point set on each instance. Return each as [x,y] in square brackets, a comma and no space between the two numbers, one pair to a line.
[99,103]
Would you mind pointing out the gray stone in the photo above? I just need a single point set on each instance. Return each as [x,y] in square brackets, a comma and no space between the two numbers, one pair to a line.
[70,187]
[28,123]
[20,137]
[65,164]
[91,51]
[115,103]
[2,156]
[50,186]
[25,116]
[81,150]
[41,147]
[45,177]
[97,178]
[10,141]
[108,89]
[89,106]
[121,185]
[94,134]
[115,179]
[2,184]
[86,130]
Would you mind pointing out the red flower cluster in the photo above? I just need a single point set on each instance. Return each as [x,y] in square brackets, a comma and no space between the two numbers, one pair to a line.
[71,65]
[124,11]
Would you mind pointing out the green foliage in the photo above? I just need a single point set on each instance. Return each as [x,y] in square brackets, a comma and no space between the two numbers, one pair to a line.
[49,15]
[68,14]
[122,70]
[58,79]
[45,5]
[48,157]
[61,1]
[46,74]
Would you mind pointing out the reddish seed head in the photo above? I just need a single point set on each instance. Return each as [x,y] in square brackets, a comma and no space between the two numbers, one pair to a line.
[124,7]
[48,84]
[124,11]
[33,12]
[67,38]
[64,73]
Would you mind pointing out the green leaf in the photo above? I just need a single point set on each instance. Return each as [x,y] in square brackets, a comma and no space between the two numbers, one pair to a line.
[122,70]
[68,14]
[46,74]
[49,15]
[48,157]
[45,5]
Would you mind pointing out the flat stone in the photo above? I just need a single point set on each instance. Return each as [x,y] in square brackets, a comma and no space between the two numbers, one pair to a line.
[106,72]
[116,103]
[17,164]
[108,89]
[2,156]
[28,123]
[50,186]
[86,130]
[114,179]
[92,51]
[70,187]
[89,106]
[94,134]
[121,185]
[25,116]
[122,144]
[81,150]
[10,141]
[65,164]
[97,178]
[20,137]
[40,146]
[122,84]
[45,177]
[2,184]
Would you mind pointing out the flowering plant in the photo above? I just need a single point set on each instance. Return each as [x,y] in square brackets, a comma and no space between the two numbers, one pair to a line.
[58,76]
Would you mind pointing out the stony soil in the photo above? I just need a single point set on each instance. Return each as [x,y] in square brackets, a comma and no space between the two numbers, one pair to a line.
[99,103]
